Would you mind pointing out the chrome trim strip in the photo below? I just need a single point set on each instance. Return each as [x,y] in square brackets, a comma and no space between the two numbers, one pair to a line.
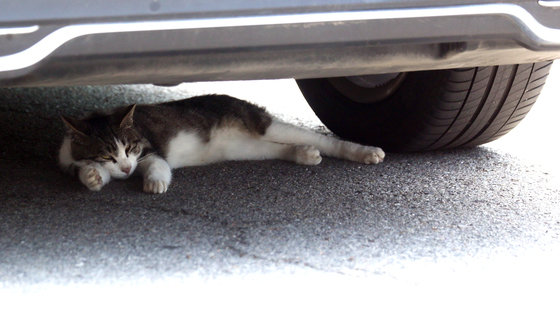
[550,3]
[18,30]
[540,34]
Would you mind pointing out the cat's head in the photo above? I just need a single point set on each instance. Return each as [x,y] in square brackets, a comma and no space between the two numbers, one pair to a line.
[110,140]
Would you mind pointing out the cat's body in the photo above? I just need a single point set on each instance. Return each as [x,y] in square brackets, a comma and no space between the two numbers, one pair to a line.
[158,138]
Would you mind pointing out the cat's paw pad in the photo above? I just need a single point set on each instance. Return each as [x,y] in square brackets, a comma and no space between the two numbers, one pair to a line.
[372,155]
[155,186]
[308,155]
[91,178]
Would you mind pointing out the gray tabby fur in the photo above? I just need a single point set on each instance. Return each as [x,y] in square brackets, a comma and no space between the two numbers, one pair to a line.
[154,139]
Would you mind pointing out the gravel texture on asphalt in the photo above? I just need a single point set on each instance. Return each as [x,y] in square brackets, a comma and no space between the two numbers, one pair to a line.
[430,233]
[242,217]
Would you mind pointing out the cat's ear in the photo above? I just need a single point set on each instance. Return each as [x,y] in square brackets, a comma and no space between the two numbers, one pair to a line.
[74,125]
[127,120]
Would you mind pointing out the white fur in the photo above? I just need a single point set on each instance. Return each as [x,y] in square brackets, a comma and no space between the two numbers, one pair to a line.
[65,158]
[95,175]
[157,174]
[188,149]
[285,133]
[65,154]
[123,161]
[185,149]
[281,141]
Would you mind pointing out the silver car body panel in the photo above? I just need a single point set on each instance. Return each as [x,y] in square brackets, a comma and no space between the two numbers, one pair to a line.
[297,44]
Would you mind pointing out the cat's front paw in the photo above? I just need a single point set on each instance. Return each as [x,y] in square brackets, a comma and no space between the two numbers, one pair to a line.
[307,154]
[372,155]
[155,186]
[91,178]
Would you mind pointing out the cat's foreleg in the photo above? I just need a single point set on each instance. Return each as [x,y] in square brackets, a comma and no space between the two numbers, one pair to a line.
[93,176]
[282,132]
[156,172]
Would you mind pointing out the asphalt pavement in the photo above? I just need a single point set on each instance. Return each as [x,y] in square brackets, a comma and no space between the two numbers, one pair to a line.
[462,235]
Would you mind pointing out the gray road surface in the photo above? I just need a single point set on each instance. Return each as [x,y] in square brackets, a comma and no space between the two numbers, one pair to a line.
[465,235]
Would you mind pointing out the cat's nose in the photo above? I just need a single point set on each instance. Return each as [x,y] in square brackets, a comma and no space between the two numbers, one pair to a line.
[125,169]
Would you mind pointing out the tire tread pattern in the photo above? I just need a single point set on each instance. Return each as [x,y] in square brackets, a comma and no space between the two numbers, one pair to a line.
[434,110]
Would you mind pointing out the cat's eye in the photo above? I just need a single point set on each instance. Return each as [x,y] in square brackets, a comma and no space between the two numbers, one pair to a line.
[133,149]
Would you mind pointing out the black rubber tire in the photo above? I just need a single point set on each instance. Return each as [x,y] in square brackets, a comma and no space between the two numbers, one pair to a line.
[433,110]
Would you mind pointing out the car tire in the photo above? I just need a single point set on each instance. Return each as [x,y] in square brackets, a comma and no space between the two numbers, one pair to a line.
[429,110]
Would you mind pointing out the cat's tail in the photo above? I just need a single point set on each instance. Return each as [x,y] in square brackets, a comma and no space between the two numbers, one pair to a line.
[281,132]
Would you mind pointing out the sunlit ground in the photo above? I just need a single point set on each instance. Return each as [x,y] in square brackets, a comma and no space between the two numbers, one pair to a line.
[536,139]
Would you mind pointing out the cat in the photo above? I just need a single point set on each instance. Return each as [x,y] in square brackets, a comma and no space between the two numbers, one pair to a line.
[154,139]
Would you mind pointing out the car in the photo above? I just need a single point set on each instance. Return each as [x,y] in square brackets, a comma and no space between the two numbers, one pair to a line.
[409,75]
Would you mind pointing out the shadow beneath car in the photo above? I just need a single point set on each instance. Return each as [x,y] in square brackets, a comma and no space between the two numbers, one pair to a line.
[30,123]
[245,217]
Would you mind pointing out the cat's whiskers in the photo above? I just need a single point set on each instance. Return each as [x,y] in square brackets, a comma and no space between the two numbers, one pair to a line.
[196,131]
